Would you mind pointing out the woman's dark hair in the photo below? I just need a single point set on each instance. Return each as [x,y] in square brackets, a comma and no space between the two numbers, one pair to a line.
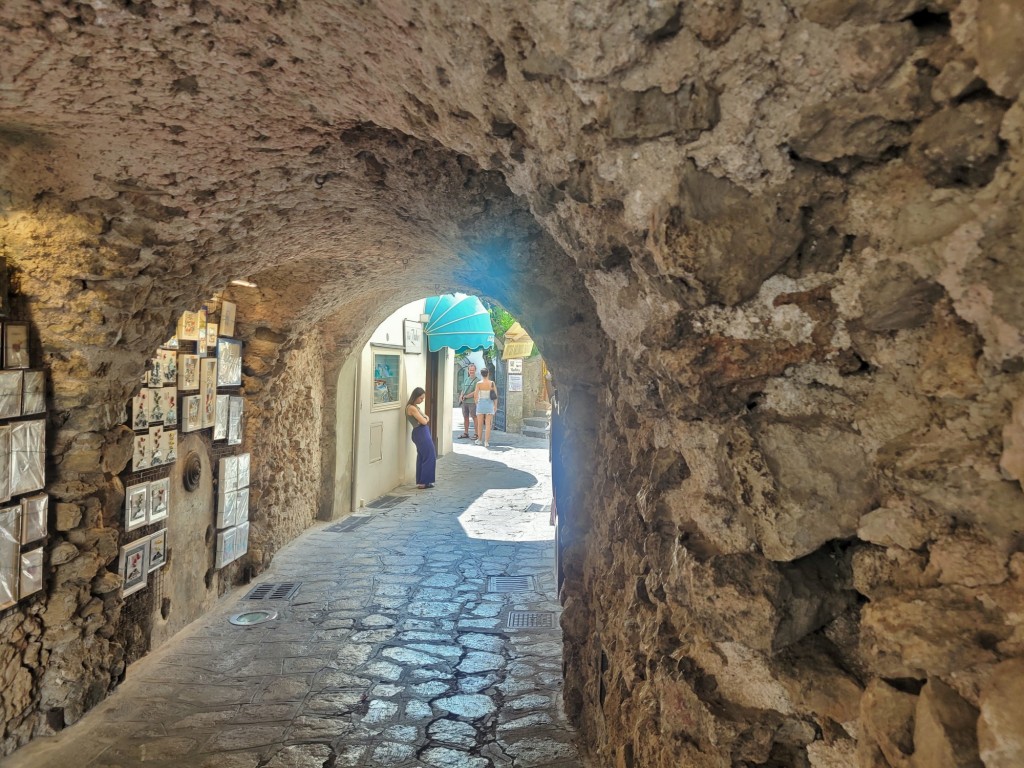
[415,393]
[485,373]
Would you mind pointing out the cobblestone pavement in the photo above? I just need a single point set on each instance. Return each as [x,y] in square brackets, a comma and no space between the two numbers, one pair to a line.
[393,652]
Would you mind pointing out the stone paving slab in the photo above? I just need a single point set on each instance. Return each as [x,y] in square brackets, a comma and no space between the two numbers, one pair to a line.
[392,652]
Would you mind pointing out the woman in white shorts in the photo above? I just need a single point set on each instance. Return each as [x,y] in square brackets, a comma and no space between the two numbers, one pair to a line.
[485,407]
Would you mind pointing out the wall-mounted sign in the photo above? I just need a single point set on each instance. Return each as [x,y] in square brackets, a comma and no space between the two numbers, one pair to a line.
[515,382]
[515,366]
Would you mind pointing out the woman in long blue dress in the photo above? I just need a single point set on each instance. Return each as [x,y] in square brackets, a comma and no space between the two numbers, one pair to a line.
[426,457]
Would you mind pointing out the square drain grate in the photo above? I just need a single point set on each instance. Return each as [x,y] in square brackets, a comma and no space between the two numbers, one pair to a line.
[531,620]
[349,524]
[386,502]
[535,507]
[509,583]
[284,590]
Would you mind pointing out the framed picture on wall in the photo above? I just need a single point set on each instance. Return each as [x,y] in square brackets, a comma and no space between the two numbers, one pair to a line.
[5,463]
[386,378]
[241,506]
[33,398]
[157,550]
[136,506]
[208,389]
[226,326]
[225,547]
[140,451]
[413,337]
[229,363]
[10,394]
[140,409]
[201,341]
[28,456]
[156,446]
[159,499]
[188,372]
[211,335]
[241,539]
[16,345]
[156,406]
[191,413]
[134,561]
[242,460]
[168,366]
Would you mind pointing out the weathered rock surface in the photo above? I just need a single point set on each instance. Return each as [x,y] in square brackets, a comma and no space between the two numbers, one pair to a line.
[771,250]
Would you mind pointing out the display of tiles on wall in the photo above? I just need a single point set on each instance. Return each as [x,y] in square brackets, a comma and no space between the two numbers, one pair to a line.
[146,503]
[232,508]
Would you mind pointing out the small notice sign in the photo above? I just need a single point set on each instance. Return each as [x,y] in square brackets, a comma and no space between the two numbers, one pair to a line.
[515,365]
[515,382]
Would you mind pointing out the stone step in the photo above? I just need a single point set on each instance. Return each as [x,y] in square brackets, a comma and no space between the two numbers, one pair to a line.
[539,414]
[534,432]
[535,423]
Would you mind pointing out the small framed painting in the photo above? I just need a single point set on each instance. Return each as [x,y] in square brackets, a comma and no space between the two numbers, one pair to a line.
[10,549]
[169,399]
[157,550]
[171,343]
[228,474]
[16,345]
[226,506]
[33,399]
[208,389]
[140,451]
[156,448]
[188,372]
[31,572]
[188,326]
[413,337]
[28,456]
[140,410]
[33,517]
[226,326]
[136,506]
[159,500]
[10,394]
[220,424]
[168,366]
[235,421]
[211,335]
[134,558]
[156,376]
[191,413]
[156,406]
[229,359]
[170,446]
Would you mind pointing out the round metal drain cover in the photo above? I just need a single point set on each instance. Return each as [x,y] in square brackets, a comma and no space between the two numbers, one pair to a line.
[249,618]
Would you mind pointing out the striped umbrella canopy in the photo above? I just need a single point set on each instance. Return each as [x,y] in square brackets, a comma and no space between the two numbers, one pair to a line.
[458,321]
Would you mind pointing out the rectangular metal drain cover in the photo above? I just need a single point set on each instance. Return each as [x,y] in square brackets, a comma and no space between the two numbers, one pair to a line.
[284,590]
[509,583]
[535,507]
[349,524]
[386,502]
[531,620]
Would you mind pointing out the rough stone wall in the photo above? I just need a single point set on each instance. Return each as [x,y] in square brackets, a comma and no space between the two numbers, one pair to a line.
[795,504]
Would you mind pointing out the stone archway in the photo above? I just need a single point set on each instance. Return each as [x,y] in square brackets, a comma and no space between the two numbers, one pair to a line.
[786,255]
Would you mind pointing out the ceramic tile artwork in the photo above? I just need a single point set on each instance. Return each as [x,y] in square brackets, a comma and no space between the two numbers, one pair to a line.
[10,550]
[243,470]
[5,463]
[134,559]
[140,410]
[192,413]
[229,357]
[208,390]
[170,446]
[211,335]
[220,424]
[227,319]
[16,348]
[156,452]
[157,550]
[235,421]
[188,372]
[241,540]
[188,326]
[229,473]
[140,451]
[241,506]
[159,499]
[156,406]
[31,572]
[10,394]
[156,377]
[168,366]
[169,397]
[28,456]
[33,398]
[34,517]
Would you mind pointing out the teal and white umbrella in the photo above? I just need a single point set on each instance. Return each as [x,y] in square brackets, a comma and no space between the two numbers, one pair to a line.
[458,321]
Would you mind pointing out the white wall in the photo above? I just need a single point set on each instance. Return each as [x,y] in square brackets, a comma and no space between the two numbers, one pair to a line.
[397,463]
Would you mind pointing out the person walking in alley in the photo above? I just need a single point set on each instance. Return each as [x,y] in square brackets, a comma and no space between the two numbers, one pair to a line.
[426,457]
[468,402]
[486,396]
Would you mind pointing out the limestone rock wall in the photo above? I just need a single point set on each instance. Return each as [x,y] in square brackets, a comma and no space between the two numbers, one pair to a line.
[771,251]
